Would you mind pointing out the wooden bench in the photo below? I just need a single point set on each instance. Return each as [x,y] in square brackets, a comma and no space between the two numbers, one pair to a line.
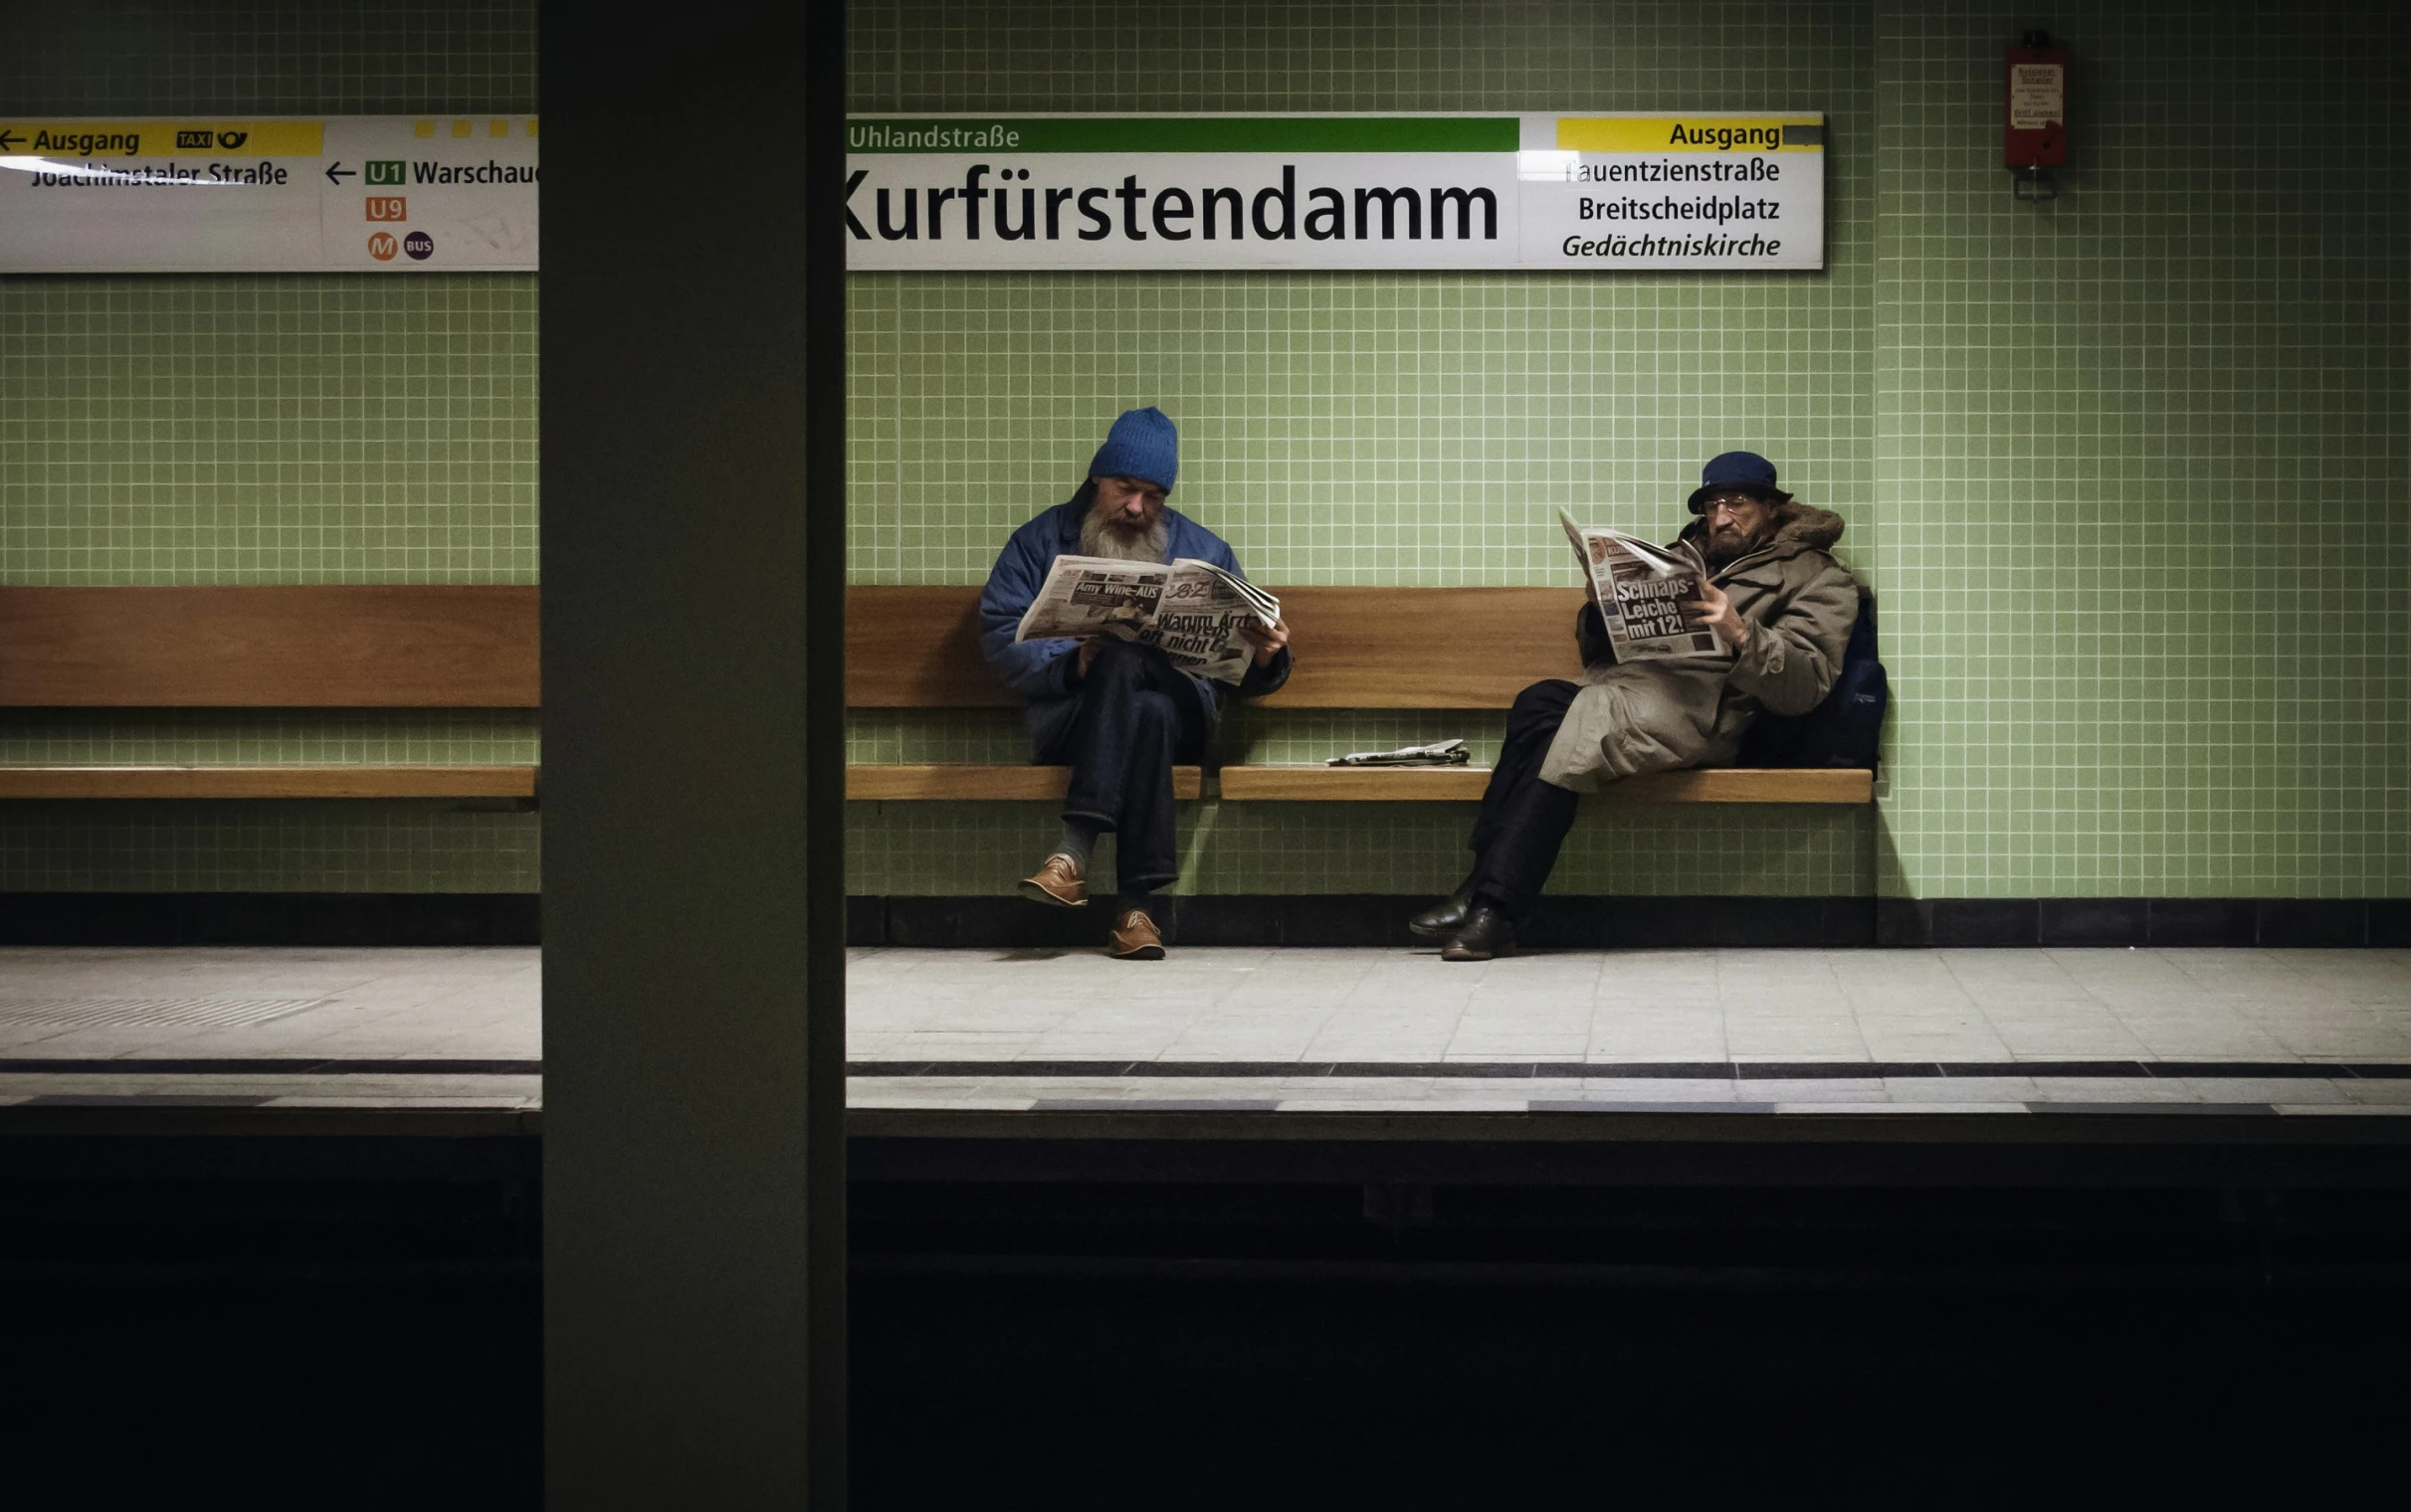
[1358,648]
[906,647]
[427,648]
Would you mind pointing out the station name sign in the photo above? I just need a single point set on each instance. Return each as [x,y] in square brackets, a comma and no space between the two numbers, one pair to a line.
[355,194]
[1713,190]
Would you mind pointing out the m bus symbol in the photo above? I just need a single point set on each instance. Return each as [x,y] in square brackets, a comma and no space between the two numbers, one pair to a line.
[382,247]
[388,206]
[385,170]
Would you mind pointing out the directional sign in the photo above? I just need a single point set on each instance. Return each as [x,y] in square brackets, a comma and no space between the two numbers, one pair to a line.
[340,195]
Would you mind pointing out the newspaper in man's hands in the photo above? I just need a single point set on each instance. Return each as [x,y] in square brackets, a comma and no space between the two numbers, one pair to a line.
[1192,611]
[1640,589]
[1440,753]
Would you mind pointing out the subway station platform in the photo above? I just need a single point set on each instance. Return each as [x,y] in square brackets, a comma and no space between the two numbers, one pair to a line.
[1283,1032]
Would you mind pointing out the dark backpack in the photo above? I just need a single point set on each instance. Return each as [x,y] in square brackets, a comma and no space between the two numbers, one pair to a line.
[1844,730]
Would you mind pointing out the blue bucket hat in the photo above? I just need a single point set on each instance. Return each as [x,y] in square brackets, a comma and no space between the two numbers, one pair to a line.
[1144,445]
[1744,470]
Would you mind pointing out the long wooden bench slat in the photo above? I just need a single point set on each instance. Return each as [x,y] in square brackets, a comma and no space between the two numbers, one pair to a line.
[1425,648]
[908,647]
[349,647]
[905,782]
[917,647]
[1463,784]
[268,782]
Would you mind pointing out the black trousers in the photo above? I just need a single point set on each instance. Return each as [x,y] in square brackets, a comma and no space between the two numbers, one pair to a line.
[1137,718]
[1523,820]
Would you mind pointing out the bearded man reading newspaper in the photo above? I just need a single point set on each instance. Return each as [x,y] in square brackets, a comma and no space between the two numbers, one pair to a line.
[1119,714]
[1780,608]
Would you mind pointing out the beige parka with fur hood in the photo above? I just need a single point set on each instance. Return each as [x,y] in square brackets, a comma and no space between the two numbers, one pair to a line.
[1687,712]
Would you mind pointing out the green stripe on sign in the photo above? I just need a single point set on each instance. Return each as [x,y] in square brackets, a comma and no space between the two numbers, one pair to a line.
[1171,134]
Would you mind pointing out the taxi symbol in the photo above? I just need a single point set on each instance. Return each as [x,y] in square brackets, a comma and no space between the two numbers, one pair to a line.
[388,206]
[382,247]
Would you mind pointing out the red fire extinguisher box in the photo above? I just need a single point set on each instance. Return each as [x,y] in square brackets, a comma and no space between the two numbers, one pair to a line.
[2037,104]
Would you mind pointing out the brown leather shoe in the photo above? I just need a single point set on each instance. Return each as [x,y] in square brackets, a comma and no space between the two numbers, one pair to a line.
[1134,937]
[1058,882]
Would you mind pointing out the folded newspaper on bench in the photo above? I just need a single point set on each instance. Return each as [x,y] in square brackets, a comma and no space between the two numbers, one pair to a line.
[1440,753]
[1192,611]
[1640,589]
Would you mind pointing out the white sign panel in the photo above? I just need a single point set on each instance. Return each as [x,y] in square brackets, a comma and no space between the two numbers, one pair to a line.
[1596,192]
[360,194]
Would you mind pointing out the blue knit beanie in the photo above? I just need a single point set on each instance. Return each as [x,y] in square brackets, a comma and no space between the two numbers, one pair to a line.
[1143,444]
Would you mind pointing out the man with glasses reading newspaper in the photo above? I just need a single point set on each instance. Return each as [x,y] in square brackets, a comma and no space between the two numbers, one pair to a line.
[1114,705]
[1779,608]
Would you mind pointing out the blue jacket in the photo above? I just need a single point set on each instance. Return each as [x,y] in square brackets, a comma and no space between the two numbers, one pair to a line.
[1040,672]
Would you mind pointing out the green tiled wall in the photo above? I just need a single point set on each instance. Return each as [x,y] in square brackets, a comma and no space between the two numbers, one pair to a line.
[1362,429]
[2140,458]
[269,428]
[2127,469]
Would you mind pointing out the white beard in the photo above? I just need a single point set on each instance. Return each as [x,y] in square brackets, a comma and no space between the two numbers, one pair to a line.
[1100,538]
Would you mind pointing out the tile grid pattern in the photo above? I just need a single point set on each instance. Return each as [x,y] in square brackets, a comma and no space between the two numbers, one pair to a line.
[2178,318]
[926,848]
[2139,458]
[1391,429]
[269,428]
[2097,1031]
[1297,1008]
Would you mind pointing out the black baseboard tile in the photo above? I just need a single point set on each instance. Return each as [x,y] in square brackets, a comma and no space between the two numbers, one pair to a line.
[1851,921]
[1567,923]
[2311,922]
[1769,921]
[1217,921]
[1557,922]
[2202,921]
[1671,922]
[1340,918]
[2092,921]
[866,922]
[997,924]
[1903,923]
[270,918]
[1965,922]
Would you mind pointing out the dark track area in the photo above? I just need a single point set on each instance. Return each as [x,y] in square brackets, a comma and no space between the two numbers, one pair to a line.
[355,1322]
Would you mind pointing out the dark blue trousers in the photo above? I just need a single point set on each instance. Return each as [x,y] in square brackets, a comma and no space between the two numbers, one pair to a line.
[1137,719]
[1523,820]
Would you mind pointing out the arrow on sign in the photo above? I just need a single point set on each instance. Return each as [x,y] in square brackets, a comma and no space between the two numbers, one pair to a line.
[8,139]
[336,173]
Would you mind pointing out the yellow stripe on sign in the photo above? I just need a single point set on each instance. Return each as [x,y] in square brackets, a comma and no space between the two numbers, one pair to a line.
[1691,134]
[102,140]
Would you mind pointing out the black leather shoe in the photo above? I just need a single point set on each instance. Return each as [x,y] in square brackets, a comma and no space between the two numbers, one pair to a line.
[1487,932]
[1445,917]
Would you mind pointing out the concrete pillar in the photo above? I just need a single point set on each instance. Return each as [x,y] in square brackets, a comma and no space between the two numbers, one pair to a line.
[692,374]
